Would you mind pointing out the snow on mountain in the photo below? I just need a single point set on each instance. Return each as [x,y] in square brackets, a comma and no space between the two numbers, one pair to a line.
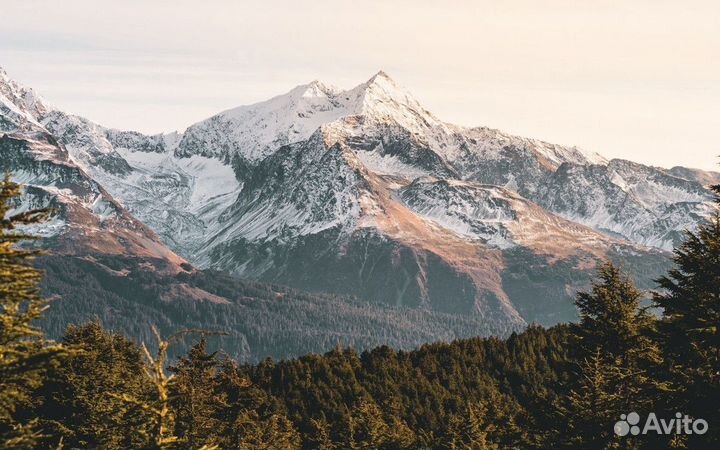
[253,132]
[314,216]
[387,164]
[175,196]
[495,216]
[86,219]
[19,106]
[363,191]
[639,203]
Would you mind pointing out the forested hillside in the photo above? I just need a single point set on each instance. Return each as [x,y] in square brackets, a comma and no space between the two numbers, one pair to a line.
[258,320]
[562,387]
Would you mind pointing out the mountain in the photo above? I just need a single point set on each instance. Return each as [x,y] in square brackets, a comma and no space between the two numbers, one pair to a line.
[259,320]
[87,219]
[104,264]
[364,192]
[701,176]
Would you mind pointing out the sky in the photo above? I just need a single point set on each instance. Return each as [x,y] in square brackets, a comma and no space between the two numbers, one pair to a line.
[630,79]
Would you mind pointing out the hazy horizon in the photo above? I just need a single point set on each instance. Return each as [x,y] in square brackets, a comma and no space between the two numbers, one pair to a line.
[638,81]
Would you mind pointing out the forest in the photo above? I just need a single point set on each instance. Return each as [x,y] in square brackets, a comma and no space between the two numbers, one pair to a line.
[573,385]
[258,320]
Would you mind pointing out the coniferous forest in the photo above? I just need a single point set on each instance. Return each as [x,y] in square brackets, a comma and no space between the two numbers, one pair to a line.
[559,387]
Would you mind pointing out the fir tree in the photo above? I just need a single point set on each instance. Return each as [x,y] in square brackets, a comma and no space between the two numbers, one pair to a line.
[617,357]
[160,430]
[25,355]
[161,418]
[613,321]
[347,431]
[610,314]
[593,405]
[81,403]
[690,329]
[196,397]
[320,437]
[468,429]
[274,432]
[250,419]
[400,435]
[370,429]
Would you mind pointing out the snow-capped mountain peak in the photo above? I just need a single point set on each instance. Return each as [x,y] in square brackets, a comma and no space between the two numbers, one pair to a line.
[382,98]
[316,89]
[364,186]
[19,106]
[255,131]
[380,88]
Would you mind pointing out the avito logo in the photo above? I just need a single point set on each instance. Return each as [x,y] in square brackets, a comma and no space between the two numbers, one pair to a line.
[681,424]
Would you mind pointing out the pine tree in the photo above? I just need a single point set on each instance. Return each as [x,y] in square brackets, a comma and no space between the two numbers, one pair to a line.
[400,435]
[690,329]
[79,403]
[196,397]
[320,437]
[25,354]
[613,321]
[468,430]
[371,431]
[274,432]
[347,431]
[610,314]
[593,405]
[160,431]
[617,360]
[250,420]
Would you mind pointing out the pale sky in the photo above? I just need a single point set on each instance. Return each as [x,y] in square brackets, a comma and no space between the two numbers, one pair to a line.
[630,79]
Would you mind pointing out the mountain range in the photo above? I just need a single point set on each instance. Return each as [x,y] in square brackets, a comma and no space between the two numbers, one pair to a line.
[362,194]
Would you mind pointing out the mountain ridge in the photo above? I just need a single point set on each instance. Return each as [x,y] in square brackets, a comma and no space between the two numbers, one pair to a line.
[364,192]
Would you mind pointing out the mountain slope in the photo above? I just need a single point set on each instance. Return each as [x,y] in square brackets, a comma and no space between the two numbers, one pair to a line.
[104,264]
[392,133]
[86,218]
[364,192]
[259,320]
